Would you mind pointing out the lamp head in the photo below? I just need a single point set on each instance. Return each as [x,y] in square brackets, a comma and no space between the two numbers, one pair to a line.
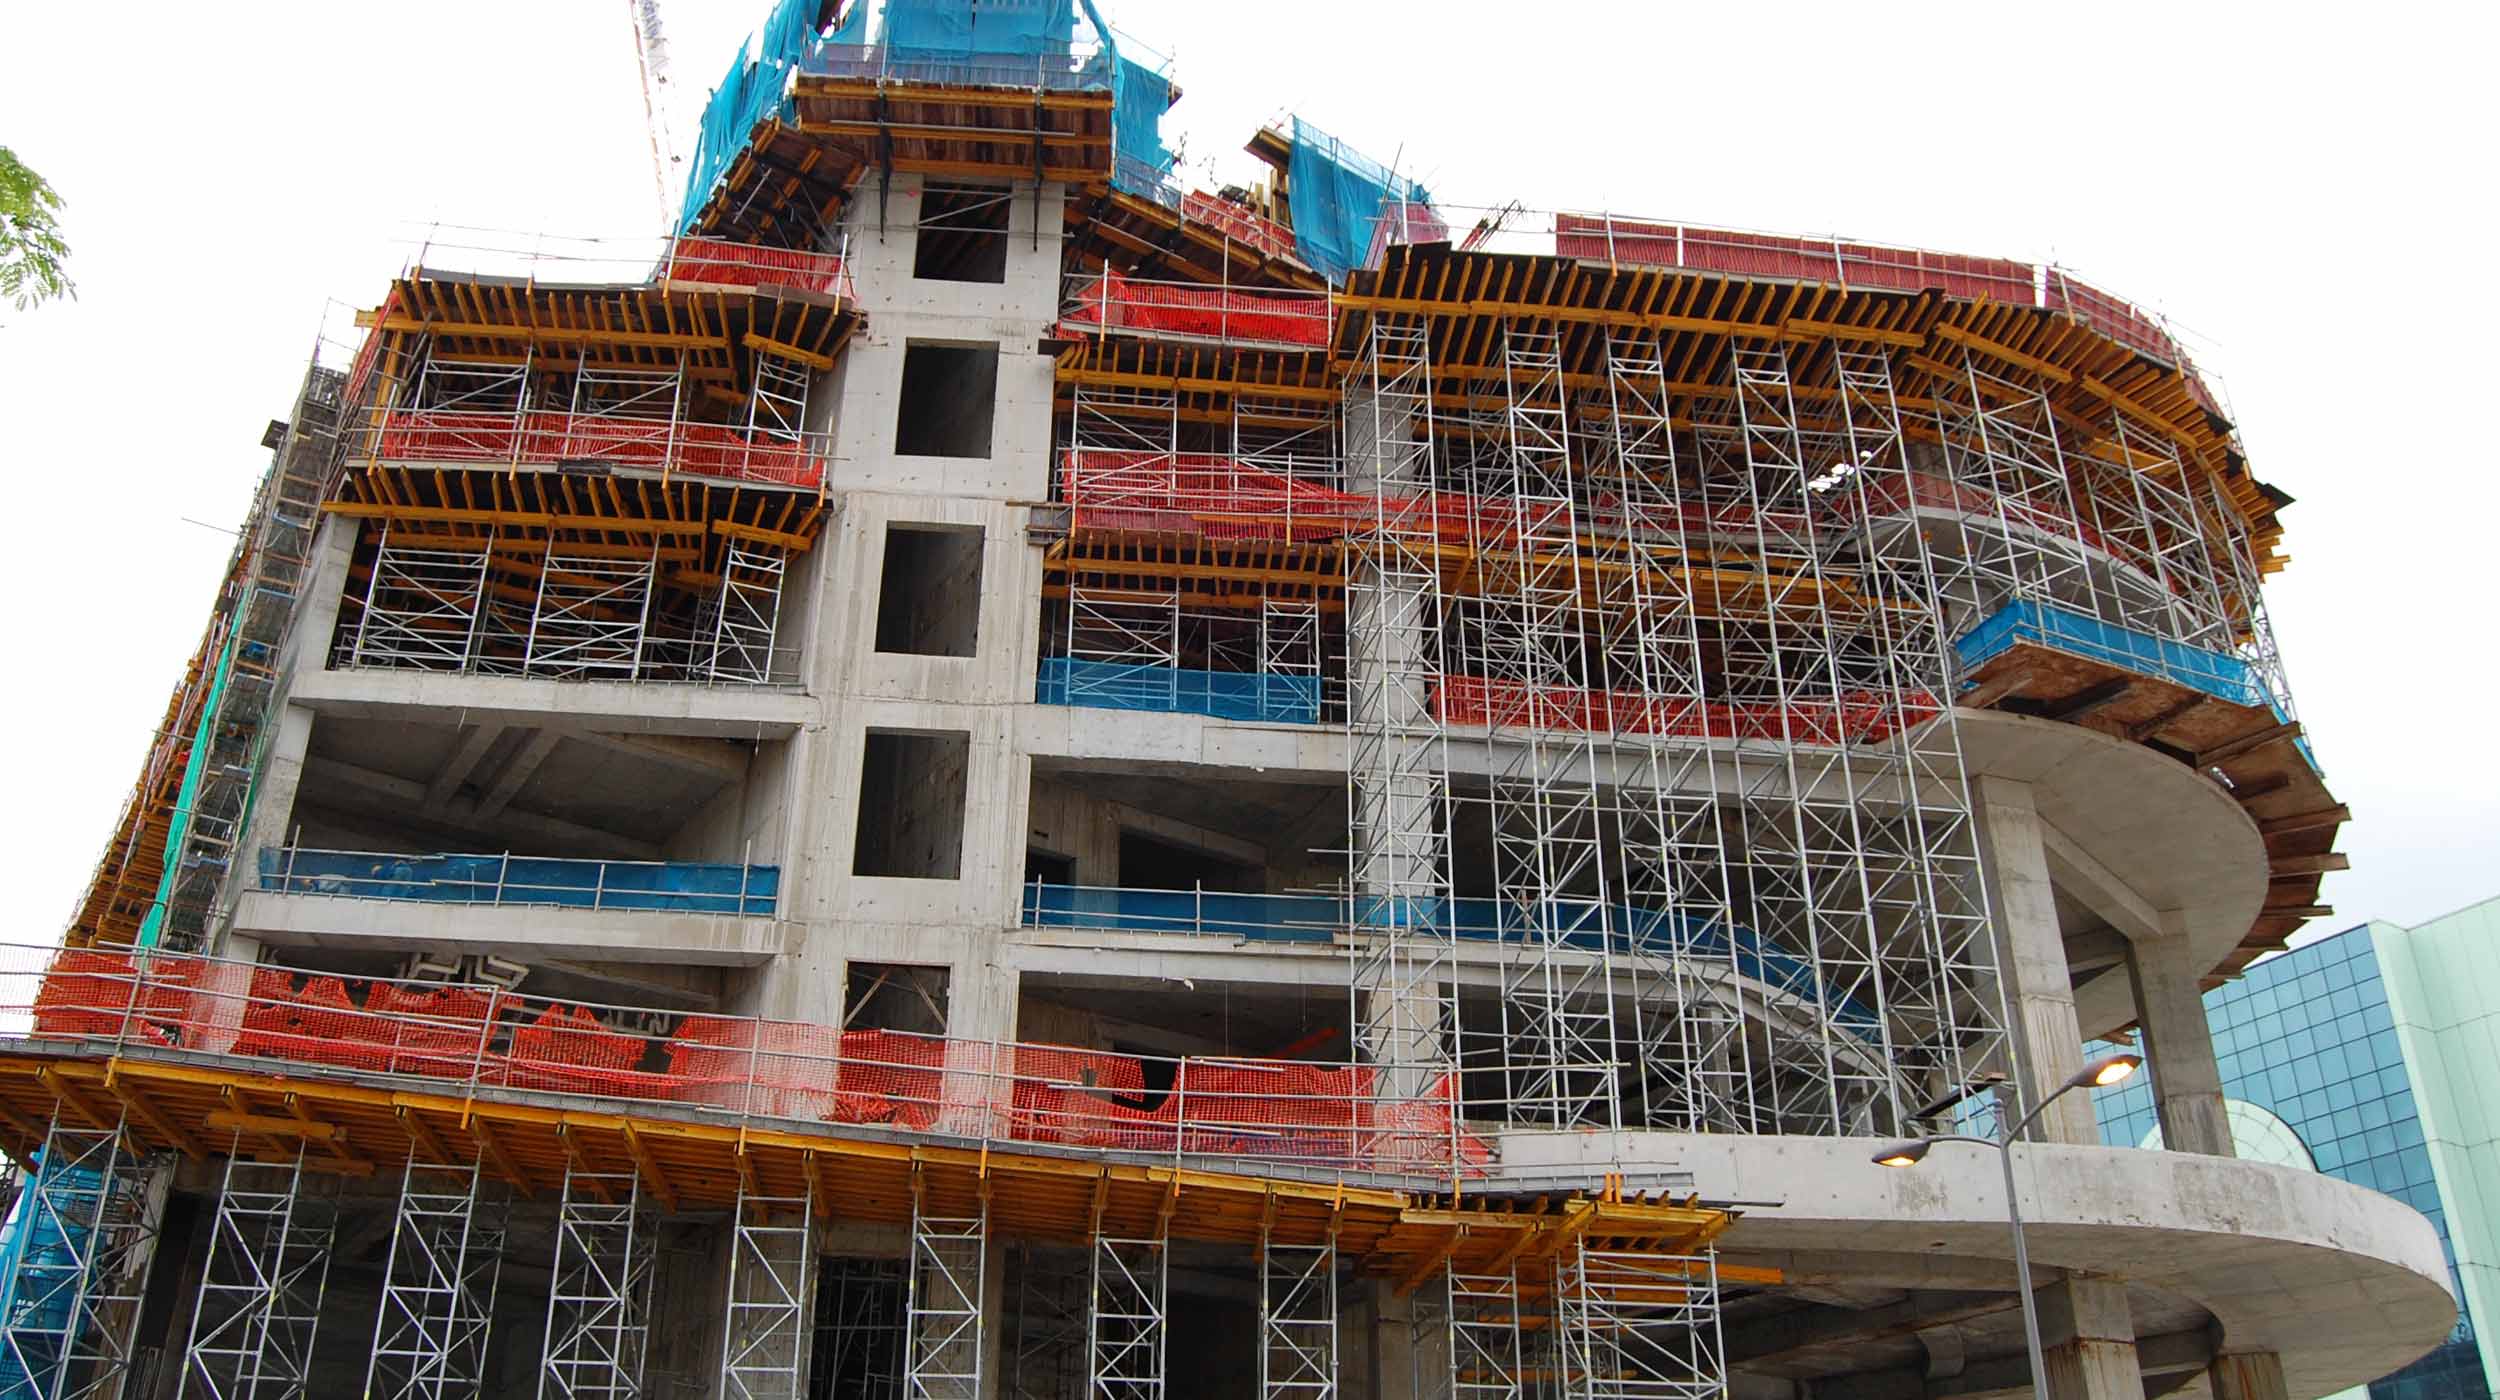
[1903,1154]
[2107,1070]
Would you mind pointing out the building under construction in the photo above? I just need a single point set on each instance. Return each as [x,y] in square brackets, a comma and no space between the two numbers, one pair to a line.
[985,775]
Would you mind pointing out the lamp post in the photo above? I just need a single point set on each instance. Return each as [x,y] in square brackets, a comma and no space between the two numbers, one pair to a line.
[2099,1074]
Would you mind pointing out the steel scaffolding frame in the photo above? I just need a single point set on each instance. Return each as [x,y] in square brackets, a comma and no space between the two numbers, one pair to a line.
[598,1302]
[1943,995]
[275,552]
[1693,1069]
[1047,1351]
[943,1311]
[471,390]
[2019,532]
[1403,941]
[1125,1316]
[591,615]
[430,1327]
[1465,1340]
[1632,1326]
[261,1288]
[2167,582]
[766,1336]
[746,623]
[1297,1320]
[87,1221]
[423,603]
[622,412]
[1556,1048]
[778,405]
[858,1330]
[1847,808]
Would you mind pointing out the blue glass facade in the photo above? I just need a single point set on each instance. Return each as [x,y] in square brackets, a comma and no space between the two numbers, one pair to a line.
[2309,1036]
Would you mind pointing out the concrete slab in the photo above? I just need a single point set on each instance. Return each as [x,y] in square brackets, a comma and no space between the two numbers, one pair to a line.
[525,932]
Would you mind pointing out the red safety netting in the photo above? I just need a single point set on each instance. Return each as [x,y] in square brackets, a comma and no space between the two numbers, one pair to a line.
[725,264]
[1859,717]
[1238,223]
[1602,239]
[701,449]
[1113,302]
[2128,325]
[486,1037]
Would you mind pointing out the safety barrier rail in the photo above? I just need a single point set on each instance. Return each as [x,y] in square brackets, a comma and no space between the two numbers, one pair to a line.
[488,650]
[1324,918]
[1617,239]
[1107,301]
[669,444]
[685,887]
[1075,67]
[468,1038]
[1240,224]
[1857,717]
[1270,697]
[469,250]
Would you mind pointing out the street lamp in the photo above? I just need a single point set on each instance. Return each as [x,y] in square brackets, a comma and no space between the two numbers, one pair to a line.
[2099,1074]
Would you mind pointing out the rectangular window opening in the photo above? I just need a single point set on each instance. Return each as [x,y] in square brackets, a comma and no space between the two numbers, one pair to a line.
[963,234]
[911,804]
[894,997]
[950,395]
[929,593]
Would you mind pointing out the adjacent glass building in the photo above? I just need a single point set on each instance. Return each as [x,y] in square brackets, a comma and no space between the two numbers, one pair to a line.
[2371,1056]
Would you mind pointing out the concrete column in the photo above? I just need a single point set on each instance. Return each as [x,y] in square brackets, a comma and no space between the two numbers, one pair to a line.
[2178,1043]
[1386,1355]
[2247,1375]
[2087,1339]
[2031,957]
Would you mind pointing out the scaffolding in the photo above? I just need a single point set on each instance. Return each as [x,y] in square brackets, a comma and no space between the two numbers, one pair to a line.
[1692,1066]
[1466,1340]
[273,567]
[86,1226]
[1403,949]
[1636,1326]
[772,1255]
[1297,1320]
[1125,1331]
[599,1298]
[944,1315]
[430,1329]
[261,1288]
[1523,625]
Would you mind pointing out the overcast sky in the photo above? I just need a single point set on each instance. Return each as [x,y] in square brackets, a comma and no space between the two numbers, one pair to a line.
[2311,200]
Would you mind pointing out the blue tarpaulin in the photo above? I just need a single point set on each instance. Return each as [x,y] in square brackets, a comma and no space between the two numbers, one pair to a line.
[1286,918]
[1110,685]
[693,887]
[1337,196]
[757,86]
[2218,674]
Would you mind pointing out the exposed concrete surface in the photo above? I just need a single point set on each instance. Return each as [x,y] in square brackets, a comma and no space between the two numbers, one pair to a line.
[2344,1284]
[609,935]
[721,712]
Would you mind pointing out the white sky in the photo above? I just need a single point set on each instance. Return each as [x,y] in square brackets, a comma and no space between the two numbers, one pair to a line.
[2306,189]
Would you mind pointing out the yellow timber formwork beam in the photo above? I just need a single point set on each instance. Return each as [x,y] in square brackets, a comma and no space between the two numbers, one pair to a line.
[704,1160]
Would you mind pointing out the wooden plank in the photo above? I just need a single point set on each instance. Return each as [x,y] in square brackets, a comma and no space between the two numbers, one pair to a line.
[2248,743]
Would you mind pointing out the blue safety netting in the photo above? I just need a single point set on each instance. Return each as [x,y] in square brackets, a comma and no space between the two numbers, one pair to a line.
[2218,674]
[692,887]
[1111,685]
[757,86]
[42,1256]
[1338,194]
[1003,43]
[1290,918]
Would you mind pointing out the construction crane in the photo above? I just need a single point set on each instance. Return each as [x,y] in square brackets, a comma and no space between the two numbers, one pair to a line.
[651,55]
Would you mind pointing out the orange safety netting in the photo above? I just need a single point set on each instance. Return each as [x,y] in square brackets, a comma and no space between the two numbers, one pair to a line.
[1859,717]
[1277,1109]
[1113,302]
[1238,223]
[701,449]
[728,264]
